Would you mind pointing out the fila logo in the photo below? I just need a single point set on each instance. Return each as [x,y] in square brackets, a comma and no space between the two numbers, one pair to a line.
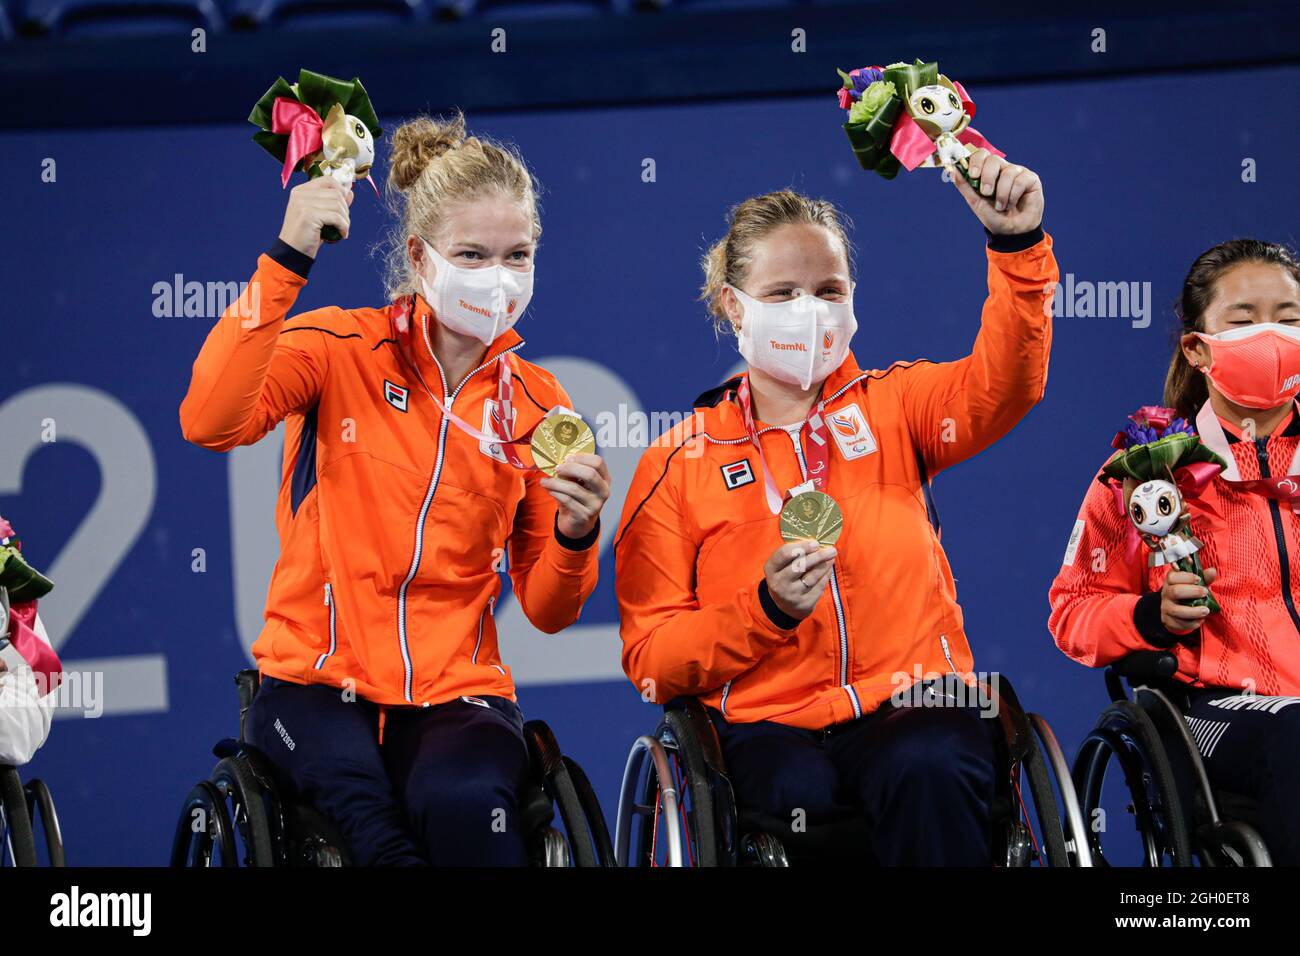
[851,431]
[395,395]
[737,474]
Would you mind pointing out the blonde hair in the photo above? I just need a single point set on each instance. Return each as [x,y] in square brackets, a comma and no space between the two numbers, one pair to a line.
[727,261]
[433,165]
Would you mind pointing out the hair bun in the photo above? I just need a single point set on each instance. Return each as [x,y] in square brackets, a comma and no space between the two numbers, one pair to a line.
[417,143]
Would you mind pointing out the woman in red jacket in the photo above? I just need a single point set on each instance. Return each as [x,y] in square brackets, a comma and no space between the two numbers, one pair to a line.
[1235,373]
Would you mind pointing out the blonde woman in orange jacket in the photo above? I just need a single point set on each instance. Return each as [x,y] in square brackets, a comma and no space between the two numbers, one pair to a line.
[806,656]
[384,697]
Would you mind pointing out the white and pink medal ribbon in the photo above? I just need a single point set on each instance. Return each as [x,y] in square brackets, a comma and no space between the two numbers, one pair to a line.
[1285,488]
[816,453]
[502,415]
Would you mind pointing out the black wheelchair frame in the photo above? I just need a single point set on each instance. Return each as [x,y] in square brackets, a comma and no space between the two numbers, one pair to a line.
[246,812]
[1178,815]
[677,777]
[22,807]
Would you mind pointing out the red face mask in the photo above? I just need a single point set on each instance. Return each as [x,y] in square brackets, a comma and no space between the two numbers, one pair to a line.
[1257,365]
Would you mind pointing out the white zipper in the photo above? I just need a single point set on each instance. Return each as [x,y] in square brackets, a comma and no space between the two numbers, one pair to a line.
[409,675]
[329,603]
[836,600]
[943,640]
[487,609]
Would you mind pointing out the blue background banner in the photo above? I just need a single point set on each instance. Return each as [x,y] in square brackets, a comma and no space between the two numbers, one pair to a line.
[161,551]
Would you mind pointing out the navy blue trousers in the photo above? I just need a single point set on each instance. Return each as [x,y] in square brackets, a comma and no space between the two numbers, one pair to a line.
[1251,746]
[442,789]
[922,776]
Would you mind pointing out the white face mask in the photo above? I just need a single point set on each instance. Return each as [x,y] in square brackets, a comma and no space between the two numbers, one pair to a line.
[479,302]
[799,341]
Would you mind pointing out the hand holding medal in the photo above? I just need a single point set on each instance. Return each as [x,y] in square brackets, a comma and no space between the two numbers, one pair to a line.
[565,449]
[810,520]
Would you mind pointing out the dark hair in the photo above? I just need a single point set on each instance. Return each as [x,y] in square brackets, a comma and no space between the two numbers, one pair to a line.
[1185,389]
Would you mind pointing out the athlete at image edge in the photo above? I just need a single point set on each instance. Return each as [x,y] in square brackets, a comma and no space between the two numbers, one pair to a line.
[1099,616]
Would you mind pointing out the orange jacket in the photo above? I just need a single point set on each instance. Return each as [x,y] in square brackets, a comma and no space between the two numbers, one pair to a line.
[696,529]
[393,523]
[1106,599]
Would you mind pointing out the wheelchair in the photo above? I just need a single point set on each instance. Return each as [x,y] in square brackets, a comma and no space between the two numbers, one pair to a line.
[22,807]
[677,806]
[1180,818]
[247,814]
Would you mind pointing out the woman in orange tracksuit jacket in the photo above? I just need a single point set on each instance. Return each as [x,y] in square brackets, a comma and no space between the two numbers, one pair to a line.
[1234,375]
[384,697]
[808,657]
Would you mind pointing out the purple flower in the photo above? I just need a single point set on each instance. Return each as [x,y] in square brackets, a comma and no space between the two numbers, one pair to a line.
[1136,434]
[863,77]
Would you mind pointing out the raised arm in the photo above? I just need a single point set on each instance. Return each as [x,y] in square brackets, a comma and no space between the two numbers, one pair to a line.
[956,409]
[246,378]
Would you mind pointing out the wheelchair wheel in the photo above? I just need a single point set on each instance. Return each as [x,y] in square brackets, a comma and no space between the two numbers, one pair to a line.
[763,850]
[551,850]
[204,831]
[1126,733]
[692,799]
[312,839]
[19,838]
[41,804]
[1050,847]
[595,817]
[246,796]
[568,789]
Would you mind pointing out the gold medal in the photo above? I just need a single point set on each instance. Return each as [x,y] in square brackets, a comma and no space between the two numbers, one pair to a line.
[558,437]
[812,516]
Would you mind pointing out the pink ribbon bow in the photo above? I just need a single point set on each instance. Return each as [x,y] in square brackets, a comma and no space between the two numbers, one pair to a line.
[43,659]
[303,127]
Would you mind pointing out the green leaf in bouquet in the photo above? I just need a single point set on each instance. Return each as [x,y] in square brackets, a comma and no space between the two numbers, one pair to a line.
[261,114]
[908,77]
[1160,458]
[22,581]
[274,143]
[359,105]
[320,92]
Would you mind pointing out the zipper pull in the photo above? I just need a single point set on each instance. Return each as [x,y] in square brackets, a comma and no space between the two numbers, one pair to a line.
[327,594]
[947,653]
